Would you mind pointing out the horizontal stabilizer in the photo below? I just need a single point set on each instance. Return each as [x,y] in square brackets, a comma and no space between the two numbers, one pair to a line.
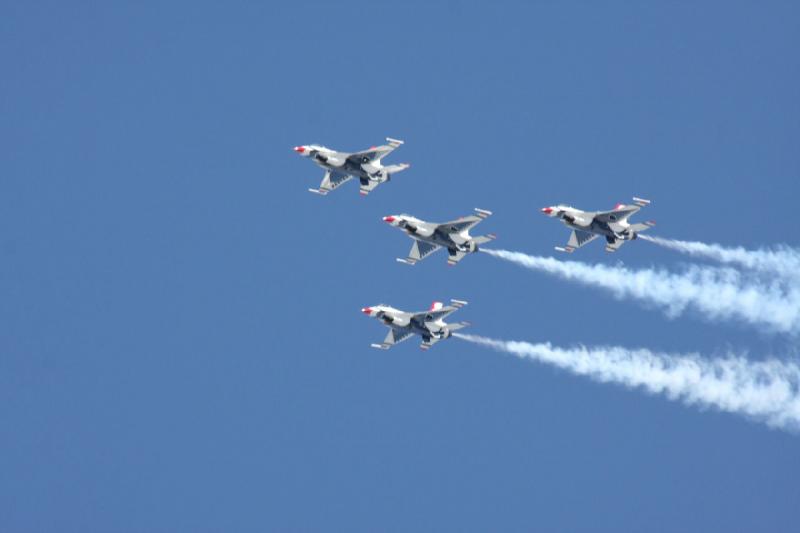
[454,258]
[458,325]
[613,247]
[394,169]
[638,228]
[483,239]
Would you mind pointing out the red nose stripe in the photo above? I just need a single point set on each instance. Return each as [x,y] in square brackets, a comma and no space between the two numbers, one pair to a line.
[299,149]
[547,210]
[389,219]
[367,310]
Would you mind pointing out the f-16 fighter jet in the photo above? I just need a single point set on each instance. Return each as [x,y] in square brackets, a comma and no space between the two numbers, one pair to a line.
[428,324]
[430,236]
[589,225]
[342,166]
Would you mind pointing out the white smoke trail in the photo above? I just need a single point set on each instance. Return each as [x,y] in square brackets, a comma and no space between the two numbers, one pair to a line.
[768,391]
[718,293]
[781,260]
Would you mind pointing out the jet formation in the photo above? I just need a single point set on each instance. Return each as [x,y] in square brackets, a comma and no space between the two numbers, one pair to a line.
[454,236]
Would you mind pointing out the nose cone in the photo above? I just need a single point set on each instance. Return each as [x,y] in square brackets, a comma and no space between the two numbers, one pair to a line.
[547,210]
[389,219]
[367,310]
[299,149]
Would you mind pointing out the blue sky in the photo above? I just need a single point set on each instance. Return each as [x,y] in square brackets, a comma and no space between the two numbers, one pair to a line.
[182,347]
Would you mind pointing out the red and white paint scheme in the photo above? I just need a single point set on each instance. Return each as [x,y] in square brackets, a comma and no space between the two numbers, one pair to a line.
[341,167]
[453,236]
[589,225]
[429,325]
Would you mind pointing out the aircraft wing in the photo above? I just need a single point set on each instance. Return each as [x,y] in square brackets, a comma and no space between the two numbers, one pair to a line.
[376,152]
[331,181]
[577,239]
[464,223]
[621,212]
[395,336]
[419,251]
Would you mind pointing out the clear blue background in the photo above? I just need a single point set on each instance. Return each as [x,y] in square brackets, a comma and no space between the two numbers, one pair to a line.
[181,347]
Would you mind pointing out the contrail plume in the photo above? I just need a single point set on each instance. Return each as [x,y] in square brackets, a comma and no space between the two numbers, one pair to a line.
[767,391]
[780,260]
[717,293]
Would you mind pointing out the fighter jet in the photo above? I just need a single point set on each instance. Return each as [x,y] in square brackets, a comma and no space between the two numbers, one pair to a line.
[342,166]
[430,236]
[428,324]
[589,225]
